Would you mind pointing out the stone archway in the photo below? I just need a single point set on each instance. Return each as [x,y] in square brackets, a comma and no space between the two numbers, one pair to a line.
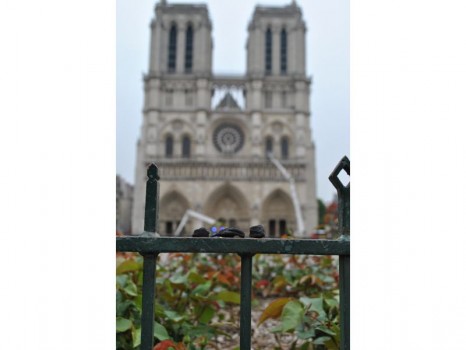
[278,213]
[228,203]
[172,208]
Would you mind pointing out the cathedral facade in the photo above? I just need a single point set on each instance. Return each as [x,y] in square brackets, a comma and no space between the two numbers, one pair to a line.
[211,135]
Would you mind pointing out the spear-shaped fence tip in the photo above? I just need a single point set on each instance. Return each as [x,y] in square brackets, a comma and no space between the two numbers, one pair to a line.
[343,196]
[152,199]
[153,172]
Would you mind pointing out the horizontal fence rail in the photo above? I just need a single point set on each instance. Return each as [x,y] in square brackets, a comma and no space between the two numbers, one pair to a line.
[157,245]
[149,246]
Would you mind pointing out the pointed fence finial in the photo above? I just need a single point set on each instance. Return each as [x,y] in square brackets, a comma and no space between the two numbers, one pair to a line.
[343,197]
[152,199]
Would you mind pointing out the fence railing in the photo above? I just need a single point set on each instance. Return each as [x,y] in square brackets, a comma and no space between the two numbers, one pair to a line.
[149,246]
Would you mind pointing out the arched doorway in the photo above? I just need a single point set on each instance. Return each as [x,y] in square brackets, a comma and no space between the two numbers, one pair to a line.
[229,205]
[172,208]
[278,213]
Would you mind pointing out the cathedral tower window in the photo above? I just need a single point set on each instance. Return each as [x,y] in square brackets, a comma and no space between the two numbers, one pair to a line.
[268,145]
[268,51]
[284,144]
[283,51]
[172,48]
[169,146]
[186,146]
[188,58]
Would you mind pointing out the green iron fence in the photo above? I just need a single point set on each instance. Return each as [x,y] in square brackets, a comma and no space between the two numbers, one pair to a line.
[149,246]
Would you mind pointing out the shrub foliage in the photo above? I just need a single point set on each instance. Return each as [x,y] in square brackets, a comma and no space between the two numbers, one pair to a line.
[198,297]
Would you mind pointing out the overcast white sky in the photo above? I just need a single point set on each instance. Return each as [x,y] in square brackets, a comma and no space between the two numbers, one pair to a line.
[327,62]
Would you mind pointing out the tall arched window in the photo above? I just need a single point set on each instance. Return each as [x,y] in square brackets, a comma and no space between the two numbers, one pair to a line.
[172,48]
[169,146]
[284,144]
[268,145]
[283,51]
[186,146]
[188,53]
[268,51]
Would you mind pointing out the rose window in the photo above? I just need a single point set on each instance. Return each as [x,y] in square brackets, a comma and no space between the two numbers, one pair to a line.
[228,138]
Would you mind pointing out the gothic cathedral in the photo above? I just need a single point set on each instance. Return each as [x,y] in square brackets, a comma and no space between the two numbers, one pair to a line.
[212,135]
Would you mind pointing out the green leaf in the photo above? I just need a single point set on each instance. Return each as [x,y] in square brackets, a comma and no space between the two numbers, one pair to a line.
[138,301]
[314,304]
[292,315]
[178,280]
[305,301]
[330,344]
[325,330]
[123,324]
[322,340]
[277,329]
[131,288]
[207,314]
[196,278]
[202,330]
[306,346]
[136,334]
[228,297]
[121,280]
[202,288]
[122,307]
[331,302]
[126,266]
[306,334]
[173,316]
[160,332]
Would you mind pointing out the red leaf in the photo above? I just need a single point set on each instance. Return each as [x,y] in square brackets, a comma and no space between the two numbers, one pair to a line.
[167,344]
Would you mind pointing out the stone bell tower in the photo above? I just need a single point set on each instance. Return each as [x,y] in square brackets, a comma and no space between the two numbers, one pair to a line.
[210,133]
[279,92]
[177,94]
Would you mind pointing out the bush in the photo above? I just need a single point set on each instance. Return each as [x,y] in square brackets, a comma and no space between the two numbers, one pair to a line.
[198,297]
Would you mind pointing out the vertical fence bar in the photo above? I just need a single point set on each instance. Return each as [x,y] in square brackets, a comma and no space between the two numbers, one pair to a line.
[149,264]
[344,302]
[344,260]
[148,302]
[245,308]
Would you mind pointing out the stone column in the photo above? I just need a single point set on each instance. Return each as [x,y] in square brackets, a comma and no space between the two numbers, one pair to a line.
[153,94]
[300,50]
[180,48]
[203,94]
[256,150]
[275,50]
[300,134]
[256,95]
[201,118]
[155,56]
[292,50]
[200,48]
